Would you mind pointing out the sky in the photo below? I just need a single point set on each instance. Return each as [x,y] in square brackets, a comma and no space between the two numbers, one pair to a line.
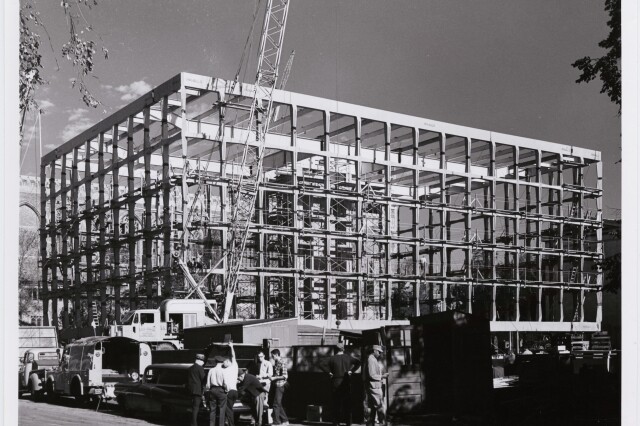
[498,65]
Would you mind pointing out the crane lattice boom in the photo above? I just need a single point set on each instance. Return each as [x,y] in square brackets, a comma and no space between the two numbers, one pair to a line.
[246,185]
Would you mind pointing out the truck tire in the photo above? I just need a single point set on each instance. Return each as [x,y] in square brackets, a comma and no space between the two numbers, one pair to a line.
[51,393]
[122,402]
[165,346]
[36,396]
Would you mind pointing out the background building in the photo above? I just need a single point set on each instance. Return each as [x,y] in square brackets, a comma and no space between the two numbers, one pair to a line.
[30,307]
[363,215]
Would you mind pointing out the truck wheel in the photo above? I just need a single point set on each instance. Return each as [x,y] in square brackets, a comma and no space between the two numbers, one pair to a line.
[125,407]
[51,394]
[36,396]
[164,346]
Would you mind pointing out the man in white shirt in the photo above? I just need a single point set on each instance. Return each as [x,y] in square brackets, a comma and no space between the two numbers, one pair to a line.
[217,389]
[230,371]
[265,373]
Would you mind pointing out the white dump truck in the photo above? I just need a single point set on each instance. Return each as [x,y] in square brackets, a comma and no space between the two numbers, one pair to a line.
[162,328]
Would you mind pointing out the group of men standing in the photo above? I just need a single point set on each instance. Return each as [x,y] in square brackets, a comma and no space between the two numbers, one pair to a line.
[341,367]
[225,381]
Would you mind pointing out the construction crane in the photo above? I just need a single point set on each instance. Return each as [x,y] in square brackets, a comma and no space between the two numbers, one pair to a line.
[245,189]
[287,70]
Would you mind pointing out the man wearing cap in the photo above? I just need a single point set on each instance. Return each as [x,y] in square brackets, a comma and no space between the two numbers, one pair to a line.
[373,387]
[195,382]
[217,387]
[340,368]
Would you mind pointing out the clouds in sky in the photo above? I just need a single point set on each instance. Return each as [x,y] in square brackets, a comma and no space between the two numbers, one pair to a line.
[77,122]
[132,91]
[45,104]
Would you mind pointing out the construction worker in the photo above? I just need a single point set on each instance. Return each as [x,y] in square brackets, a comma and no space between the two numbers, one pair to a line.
[265,372]
[195,383]
[374,377]
[217,387]
[340,368]
[279,380]
[230,371]
[252,392]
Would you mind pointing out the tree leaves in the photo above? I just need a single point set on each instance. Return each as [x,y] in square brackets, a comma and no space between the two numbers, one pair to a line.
[79,51]
[30,61]
[606,67]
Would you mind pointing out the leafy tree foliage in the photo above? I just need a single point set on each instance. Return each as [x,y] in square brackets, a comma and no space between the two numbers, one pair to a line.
[606,67]
[78,50]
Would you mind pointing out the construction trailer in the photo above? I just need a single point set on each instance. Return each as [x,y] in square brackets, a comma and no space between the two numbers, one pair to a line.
[363,216]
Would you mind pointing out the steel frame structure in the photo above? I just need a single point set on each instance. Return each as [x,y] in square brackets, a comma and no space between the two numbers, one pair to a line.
[361,215]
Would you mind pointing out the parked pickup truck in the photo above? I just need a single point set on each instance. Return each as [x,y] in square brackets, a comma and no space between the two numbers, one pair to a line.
[90,367]
[39,353]
[33,372]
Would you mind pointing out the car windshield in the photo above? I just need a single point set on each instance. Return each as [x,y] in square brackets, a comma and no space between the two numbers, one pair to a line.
[127,319]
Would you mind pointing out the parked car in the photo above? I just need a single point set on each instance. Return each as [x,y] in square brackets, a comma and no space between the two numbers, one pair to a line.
[163,390]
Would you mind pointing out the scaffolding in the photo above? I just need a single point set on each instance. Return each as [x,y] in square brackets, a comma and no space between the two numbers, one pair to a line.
[360,214]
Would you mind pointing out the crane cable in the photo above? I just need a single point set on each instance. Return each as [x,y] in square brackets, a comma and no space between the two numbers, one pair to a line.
[247,49]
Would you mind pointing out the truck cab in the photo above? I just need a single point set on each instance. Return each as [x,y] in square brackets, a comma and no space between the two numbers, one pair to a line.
[162,328]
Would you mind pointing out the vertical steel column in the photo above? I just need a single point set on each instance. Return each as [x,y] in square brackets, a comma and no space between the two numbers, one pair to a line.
[600,246]
[387,210]
[467,222]
[561,235]
[102,238]
[516,231]
[415,210]
[330,282]
[64,264]
[115,219]
[53,234]
[294,212]
[131,210]
[359,222]
[77,275]
[146,193]
[442,208]
[88,223]
[185,196]
[166,199]
[494,206]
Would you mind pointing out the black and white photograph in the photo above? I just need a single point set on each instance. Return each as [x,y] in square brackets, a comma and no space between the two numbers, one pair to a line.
[340,212]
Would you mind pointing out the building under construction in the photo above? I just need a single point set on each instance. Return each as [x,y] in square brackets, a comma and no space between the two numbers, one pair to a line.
[361,214]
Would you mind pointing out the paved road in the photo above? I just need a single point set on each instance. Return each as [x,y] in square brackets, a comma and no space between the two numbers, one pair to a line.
[66,412]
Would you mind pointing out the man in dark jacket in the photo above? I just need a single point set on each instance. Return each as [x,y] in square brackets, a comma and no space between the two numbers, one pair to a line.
[195,383]
[252,392]
[340,367]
